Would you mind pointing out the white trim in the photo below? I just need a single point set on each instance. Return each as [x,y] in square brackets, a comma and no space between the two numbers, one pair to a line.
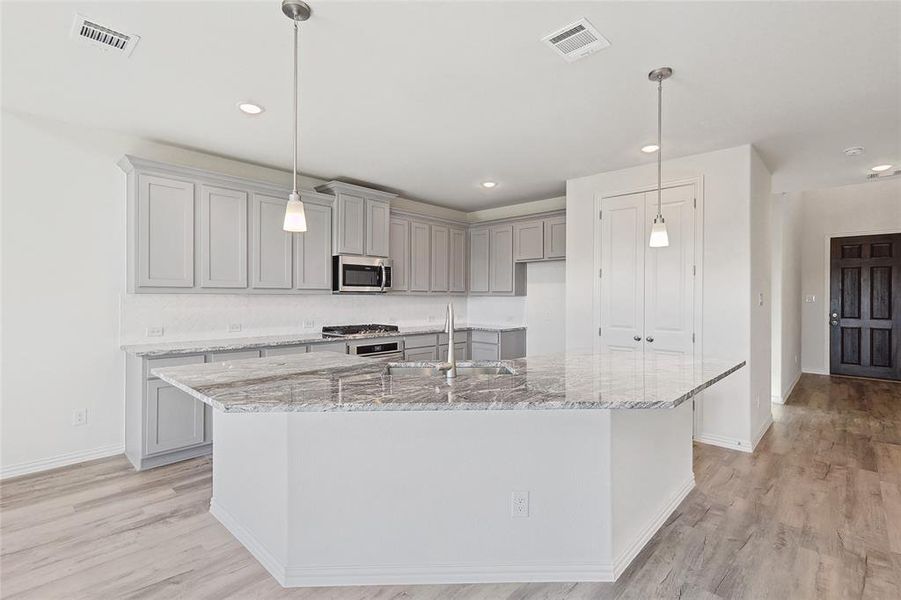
[764,427]
[622,562]
[815,372]
[249,541]
[827,294]
[788,392]
[60,460]
[724,442]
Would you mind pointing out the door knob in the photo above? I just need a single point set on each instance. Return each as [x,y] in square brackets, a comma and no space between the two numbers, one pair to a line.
[649,338]
[637,338]
[833,322]
[834,315]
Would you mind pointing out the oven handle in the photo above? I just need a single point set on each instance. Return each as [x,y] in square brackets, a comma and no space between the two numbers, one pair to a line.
[384,276]
[383,354]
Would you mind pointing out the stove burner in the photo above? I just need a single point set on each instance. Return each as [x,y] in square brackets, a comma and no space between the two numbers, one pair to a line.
[342,330]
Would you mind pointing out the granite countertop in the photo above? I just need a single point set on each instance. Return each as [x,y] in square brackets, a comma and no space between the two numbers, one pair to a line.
[326,381]
[263,341]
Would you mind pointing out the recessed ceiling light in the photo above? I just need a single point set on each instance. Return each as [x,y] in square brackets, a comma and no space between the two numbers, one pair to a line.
[249,108]
[881,168]
[650,148]
[489,184]
[853,151]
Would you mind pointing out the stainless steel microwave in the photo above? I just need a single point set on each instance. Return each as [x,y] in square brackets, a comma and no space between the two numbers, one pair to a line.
[361,274]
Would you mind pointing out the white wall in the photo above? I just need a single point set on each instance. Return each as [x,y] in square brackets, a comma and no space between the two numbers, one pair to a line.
[871,207]
[727,278]
[786,292]
[760,365]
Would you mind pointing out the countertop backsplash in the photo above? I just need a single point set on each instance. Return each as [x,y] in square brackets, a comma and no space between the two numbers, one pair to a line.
[207,316]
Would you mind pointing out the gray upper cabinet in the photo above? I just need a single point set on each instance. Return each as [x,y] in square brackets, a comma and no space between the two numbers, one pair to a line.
[378,229]
[399,252]
[348,229]
[479,242]
[528,240]
[457,260]
[313,249]
[362,219]
[223,238]
[165,232]
[555,237]
[420,256]
[501,259]
[271,252]
[440,252]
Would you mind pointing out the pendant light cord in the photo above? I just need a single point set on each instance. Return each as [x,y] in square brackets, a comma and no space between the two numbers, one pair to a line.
[295,107]
[659,145]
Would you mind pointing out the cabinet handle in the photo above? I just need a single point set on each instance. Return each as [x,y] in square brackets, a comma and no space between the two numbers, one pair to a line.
[637,338]
[649,338]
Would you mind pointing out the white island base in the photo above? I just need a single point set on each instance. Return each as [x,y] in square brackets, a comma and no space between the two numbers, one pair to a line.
[398,497]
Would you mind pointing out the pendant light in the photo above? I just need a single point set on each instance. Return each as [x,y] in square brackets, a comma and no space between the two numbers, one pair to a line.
[295,217]
[659,237]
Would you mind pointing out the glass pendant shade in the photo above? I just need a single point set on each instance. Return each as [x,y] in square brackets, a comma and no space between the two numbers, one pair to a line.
[295,217]
[659,237]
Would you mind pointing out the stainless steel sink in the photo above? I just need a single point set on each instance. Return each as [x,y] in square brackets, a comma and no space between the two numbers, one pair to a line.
[439,370]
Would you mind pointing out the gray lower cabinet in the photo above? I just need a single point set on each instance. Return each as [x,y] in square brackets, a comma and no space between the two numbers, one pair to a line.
[440,248]
[420,256]
[483,351]
[399,252]
[163,232]
[223,237]
[418,354]
[340,347]
[460,352]
[271,253]
[313,250]
[173,420]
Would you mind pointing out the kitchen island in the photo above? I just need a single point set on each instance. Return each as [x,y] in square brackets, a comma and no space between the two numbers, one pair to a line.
[339,470]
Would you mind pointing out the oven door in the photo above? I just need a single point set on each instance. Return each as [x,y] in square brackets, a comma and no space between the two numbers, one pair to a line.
[361,274]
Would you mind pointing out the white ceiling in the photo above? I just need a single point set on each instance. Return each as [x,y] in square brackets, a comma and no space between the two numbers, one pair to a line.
[430,98]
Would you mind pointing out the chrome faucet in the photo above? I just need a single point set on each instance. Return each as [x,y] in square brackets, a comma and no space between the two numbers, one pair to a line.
[449,328]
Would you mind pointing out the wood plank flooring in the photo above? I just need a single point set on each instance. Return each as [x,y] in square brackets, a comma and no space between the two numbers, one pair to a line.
[815,512]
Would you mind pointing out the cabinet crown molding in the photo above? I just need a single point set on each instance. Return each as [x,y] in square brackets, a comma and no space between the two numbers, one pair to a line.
[336,187]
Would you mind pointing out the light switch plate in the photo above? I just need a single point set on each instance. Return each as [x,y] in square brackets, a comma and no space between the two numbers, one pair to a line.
[79,416]
[234,327]
[519,504]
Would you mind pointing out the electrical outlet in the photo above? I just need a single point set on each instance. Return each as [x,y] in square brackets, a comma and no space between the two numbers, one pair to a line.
[796,359]
[79,416]
[234,327]
[519,504]
[308,324]
[810,299]
[760,299]
[154,332]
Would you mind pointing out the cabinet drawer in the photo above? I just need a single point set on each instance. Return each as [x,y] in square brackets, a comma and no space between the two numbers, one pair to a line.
[340,347]
[174,361]
[235,355]
[487,337]
[419,341]
[482,351]
[459,337]
[421,354]
[285,350]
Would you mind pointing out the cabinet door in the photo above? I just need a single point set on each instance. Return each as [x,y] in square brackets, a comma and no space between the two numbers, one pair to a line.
[478,260]
[457,260]
[483,351]
[399,252]
[172,418]
[223,238]
[501,263]
[313,250]
[420,256]
[439,263]
[459,351]
[421,354]
[378,231]
[270,256]
[165,215]
[349,219]
[528,240]
[555,237]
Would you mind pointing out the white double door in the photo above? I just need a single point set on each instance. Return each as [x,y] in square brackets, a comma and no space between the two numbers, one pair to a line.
[648,294]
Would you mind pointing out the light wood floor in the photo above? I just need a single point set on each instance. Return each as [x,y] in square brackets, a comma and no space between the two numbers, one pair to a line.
[815,512]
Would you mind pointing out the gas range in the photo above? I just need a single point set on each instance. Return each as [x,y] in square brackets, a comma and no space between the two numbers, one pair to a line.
[347,330]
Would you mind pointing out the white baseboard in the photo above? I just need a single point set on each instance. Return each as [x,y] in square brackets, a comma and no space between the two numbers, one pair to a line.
[623,561]
[815,371]
[344,575]
[788,392]
[762,431]
[724,442]
[61,460]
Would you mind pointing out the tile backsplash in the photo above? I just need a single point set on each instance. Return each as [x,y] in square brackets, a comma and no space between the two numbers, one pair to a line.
[204,316]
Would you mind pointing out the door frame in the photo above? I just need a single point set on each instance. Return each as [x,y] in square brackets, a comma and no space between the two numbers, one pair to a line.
[698,350]
[827,280]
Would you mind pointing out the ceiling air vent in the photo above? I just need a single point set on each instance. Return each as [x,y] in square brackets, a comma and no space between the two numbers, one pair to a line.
[576,40]
[886,175]
[100,36]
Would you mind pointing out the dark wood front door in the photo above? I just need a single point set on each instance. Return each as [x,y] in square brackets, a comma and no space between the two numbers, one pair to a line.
[865,306]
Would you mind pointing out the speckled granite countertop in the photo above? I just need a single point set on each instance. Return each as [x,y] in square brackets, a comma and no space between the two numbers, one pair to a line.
[327,381]
[240,343]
